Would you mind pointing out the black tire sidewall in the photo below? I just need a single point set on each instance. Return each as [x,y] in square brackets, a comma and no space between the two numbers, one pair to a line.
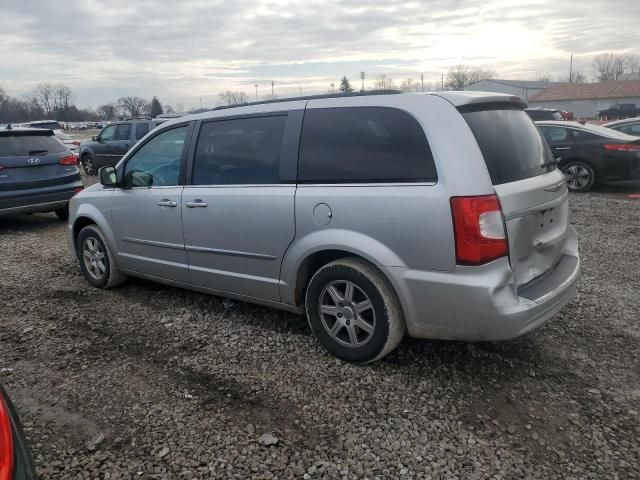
[371,349]
[589,168]
[84,234]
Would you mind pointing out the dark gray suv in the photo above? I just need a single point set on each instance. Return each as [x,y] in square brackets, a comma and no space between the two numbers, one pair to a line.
[113,141]
[37,172]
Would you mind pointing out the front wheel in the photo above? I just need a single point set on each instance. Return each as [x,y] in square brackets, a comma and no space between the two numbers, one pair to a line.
[96,260]
[88,165]
[580,176]
[353,311]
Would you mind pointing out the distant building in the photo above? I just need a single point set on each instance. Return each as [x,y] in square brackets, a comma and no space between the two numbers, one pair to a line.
[585,100]
[524,89]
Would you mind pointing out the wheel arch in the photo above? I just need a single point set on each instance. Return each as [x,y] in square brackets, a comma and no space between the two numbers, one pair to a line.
[89,215]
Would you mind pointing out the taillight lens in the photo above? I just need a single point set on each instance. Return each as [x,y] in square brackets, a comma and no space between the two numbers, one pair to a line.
[478,229]
[6,442]
[623,147]
[70,160]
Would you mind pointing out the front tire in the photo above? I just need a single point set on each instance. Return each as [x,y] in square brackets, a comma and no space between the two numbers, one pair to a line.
[580,176]
[353,311]
[88,165]
[96,260]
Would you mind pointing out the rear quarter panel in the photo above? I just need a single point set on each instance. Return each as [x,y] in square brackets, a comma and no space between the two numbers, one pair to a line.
[393,225]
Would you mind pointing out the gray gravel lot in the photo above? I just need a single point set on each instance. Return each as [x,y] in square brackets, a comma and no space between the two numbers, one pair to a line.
[148,381]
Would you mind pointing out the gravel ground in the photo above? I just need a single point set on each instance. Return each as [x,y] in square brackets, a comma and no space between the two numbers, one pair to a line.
[147,381]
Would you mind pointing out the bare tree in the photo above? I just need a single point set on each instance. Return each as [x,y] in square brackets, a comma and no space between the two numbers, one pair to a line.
[108,111]
[229,97]
[134,106]
[43,96]
[632,64]
[410,85]
[461,76]
[609,66]
[383,82]
[62,97]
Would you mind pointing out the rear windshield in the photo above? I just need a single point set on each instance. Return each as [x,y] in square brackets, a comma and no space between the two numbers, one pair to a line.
[24,144]
[512,147]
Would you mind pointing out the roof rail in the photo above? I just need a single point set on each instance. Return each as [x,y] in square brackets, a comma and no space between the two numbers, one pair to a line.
[313,97]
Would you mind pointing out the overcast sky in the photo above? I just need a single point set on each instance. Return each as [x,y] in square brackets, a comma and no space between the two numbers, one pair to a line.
[183,50]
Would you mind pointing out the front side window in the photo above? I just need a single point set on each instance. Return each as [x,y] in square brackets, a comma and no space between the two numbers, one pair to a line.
[239,151]
[157,162]
[363,145]
[124,131]
[631,129]
[108,133]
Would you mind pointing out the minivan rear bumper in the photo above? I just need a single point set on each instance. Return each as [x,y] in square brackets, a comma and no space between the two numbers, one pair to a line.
[483,303]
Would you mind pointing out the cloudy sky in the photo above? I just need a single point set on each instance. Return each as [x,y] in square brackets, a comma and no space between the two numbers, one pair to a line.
[188,51]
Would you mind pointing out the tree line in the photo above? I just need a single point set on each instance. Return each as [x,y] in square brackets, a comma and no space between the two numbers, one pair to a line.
[48,101]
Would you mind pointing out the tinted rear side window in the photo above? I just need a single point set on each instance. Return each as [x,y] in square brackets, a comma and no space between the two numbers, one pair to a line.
[239,151]
[511,145]
[124,132]
[363,144]
[141,130]
[21,145]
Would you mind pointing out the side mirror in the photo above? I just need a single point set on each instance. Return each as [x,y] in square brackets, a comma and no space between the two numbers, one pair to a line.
[108,176]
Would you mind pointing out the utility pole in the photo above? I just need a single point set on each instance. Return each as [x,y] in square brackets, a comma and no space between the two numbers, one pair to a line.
[442,83]
[332,88]
[256,85]
[362,77]
[571,69]
[422,82]
[272,89]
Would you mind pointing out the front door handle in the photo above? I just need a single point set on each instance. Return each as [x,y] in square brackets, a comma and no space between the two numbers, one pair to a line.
[165,202]
[563,148]
[196,204]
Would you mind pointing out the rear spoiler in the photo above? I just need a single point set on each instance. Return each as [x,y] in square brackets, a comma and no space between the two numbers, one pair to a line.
[466,101]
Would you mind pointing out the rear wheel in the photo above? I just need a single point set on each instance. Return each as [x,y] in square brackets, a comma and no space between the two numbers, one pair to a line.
[580,176]
[88,164]
[353,311]
[96,259]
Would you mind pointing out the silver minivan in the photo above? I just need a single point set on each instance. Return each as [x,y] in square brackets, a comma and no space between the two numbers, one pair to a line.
[438,215]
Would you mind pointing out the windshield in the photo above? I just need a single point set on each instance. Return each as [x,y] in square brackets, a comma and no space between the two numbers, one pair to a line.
[512,146]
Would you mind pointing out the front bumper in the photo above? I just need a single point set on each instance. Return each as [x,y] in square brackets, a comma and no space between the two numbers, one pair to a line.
[483,303]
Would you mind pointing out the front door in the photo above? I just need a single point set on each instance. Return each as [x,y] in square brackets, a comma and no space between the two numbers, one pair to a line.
[103,149]
[146,213]
[560,139]
[122,143]
[238,217]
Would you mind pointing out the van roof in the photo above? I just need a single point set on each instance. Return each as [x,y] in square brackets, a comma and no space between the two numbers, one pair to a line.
[456,98]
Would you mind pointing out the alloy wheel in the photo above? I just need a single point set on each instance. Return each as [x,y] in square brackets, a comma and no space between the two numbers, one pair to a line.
[347,313]
[577,177]
[94,258]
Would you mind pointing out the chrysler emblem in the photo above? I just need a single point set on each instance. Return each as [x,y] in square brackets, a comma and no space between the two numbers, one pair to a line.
[33,161]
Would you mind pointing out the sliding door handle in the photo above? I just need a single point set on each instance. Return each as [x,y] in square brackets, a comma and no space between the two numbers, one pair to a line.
[195,204]
[165,202]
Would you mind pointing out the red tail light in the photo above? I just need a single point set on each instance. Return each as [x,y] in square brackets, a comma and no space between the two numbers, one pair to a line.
[6,443]
[479,229]
[623,147]
[76,143]
[70,160]
[78,189]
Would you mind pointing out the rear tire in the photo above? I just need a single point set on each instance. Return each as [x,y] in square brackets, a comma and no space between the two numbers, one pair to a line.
[353,311]
[88,164]
[580,176]
[63,213]
[96,260]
